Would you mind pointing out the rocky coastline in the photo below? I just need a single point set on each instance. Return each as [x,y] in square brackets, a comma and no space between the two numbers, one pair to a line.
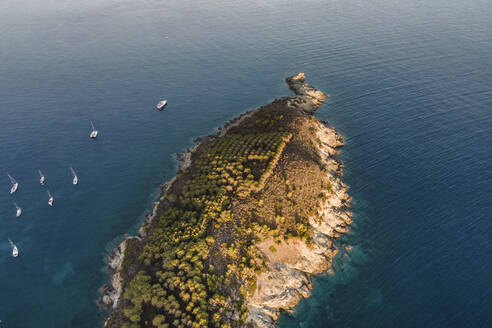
[288,279]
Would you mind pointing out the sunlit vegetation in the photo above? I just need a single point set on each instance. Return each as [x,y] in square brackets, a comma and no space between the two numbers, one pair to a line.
[199,260]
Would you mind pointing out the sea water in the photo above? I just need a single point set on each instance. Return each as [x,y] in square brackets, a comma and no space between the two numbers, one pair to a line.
[411,92]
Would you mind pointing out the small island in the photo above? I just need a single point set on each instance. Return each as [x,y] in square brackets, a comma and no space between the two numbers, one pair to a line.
[252,213]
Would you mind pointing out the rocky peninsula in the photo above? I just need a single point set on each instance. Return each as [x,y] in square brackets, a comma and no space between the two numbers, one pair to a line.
[234,238]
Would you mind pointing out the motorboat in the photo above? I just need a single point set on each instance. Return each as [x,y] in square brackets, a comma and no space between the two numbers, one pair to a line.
[161,104]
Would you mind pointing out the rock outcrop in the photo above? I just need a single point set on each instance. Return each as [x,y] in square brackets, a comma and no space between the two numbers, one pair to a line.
[112,291]
[308,98]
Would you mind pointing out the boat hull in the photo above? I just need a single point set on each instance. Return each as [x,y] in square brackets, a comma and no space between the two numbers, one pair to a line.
[161,105]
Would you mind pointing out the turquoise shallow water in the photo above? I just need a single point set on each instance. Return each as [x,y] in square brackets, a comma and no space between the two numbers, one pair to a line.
[411,91]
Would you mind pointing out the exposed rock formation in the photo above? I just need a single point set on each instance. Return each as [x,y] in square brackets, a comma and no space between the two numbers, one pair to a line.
[308,98]
[112,291]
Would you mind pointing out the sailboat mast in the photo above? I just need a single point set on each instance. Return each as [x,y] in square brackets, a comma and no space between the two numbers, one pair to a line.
[12,180]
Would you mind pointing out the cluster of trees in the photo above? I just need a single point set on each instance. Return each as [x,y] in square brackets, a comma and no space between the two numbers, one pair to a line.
[198,262]
[235,162]
[178,287]
[274,119]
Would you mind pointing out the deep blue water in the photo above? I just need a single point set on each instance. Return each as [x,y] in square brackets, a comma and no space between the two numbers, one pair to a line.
[411,92]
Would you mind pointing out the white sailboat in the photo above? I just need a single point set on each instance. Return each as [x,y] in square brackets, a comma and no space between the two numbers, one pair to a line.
[94,132]
[161,104]
[19,210]
[75,177]
[14,183]
[42,179]
[15,250]
[51,199]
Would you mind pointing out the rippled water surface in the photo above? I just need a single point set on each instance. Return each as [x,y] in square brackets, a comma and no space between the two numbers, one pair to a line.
[411,92]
